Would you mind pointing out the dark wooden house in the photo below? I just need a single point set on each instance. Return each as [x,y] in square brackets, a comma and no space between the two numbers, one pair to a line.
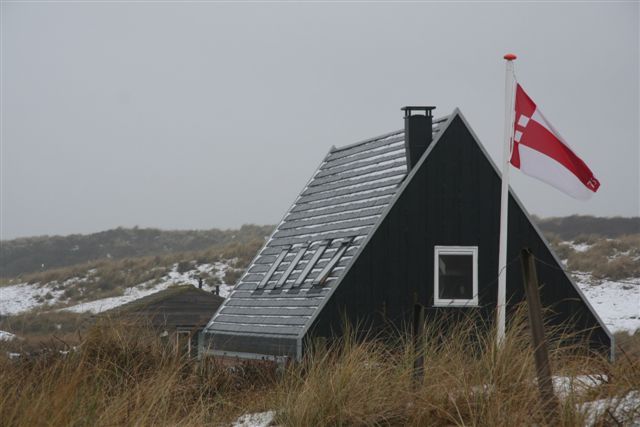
[178,314]
[404,220]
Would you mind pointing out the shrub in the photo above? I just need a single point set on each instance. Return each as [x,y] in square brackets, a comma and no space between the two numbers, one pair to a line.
[613,259]
[563,250]
[587,261]
[588,239]
[210,278]
[232,275]
[621,267]
[71,293]
[105,284]
[552,238]
[184,266]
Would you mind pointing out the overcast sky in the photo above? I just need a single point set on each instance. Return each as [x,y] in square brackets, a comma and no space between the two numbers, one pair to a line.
[204,115]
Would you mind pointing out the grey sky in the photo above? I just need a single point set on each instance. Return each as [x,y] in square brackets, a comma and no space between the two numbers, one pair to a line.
[205,115]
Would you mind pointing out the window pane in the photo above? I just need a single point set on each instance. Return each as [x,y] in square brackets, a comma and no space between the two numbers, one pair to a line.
[455,276]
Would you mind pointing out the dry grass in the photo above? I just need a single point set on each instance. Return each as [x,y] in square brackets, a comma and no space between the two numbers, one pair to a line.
[468,380]
[612,259]
[123,375]
[628,344]
[44,329]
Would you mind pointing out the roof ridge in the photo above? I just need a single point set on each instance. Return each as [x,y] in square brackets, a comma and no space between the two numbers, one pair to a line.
[436,121]
[147,300]
[366,141]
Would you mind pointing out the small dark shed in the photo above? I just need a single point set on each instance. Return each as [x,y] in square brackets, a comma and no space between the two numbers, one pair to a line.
[403,220]
[178,313]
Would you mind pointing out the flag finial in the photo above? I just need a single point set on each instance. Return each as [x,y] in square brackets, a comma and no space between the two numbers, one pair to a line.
[510,57]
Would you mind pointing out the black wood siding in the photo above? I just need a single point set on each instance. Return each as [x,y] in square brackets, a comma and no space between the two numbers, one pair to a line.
[454,199]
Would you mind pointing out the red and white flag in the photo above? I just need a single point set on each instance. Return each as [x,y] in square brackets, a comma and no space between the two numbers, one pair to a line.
[539,151]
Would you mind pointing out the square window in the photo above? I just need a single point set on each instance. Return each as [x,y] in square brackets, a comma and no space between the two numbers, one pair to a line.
[456,276]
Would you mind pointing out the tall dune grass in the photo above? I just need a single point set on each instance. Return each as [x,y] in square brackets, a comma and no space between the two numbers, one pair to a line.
[468,380]
[123,375]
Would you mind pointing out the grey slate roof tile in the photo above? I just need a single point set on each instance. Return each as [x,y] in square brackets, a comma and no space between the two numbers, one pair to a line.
[343,201]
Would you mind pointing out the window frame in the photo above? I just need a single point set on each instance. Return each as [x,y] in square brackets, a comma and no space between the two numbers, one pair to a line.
[322,277]
[269,274]
[322,247]
[292,265]
[455,250]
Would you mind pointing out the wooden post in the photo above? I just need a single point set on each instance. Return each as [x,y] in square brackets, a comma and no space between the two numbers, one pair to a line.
[418,343]
[536,324]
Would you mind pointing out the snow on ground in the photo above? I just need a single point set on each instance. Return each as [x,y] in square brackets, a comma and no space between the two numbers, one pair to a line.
[6,336]
[130,294]
[142,290]
[565,386]
[617,303]
[579,247]
[23,297]
[259,419]
[623,410]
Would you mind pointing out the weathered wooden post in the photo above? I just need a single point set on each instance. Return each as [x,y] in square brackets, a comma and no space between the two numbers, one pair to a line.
[536,324]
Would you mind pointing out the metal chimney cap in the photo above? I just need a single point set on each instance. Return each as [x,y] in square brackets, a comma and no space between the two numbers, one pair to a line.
[409,109]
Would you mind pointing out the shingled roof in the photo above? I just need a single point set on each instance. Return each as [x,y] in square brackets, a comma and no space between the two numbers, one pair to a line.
[317,240]
[176,306]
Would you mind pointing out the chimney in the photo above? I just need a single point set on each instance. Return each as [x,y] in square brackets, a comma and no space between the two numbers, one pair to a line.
[417,132]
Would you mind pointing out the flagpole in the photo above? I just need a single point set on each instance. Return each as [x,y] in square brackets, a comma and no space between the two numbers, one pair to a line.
[504,197]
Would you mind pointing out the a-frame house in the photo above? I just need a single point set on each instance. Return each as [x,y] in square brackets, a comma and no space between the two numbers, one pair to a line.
[402,220]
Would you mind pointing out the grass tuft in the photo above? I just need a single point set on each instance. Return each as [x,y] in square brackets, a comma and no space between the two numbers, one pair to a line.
[123,374]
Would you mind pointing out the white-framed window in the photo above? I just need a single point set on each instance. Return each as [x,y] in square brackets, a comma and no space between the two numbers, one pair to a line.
[455,276]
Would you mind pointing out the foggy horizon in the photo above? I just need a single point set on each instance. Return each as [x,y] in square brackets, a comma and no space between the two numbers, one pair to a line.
[214,115]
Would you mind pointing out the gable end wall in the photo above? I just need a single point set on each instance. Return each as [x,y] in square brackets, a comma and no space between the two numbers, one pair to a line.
[452,199]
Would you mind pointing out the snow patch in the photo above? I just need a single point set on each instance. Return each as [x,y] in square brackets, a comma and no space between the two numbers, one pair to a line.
[258,419]
[617,303]
[579,247]
[142,290]
[104,304]
[625,410]
[6,336]
[565,386]
[24,297]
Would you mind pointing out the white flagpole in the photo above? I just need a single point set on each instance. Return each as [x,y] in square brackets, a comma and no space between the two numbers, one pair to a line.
[504,198]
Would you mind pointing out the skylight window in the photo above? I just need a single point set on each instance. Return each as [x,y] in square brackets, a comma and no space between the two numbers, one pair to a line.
[312,262]
[324,274]
[292,266]
[273,268]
